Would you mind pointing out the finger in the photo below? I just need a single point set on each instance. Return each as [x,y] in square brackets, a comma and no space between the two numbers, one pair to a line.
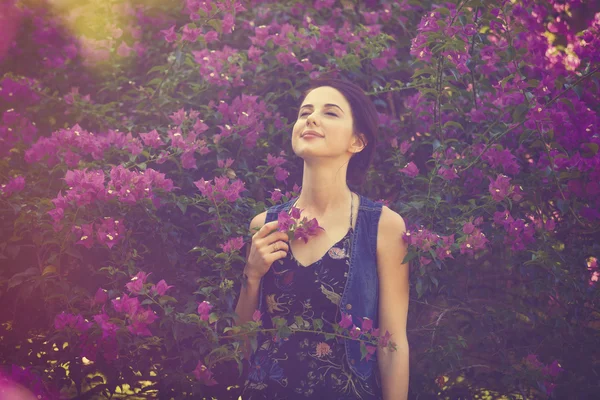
[267,229]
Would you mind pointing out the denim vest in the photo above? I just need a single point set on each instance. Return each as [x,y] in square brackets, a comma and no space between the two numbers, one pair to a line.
[361,293]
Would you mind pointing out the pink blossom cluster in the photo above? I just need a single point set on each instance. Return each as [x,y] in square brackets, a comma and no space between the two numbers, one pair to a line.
[232,244]
[222,189]
[182,138]
[14,185]
[246,113]
[21,91]
[217,70]
[76,322]
[475,239]
[496,158]
[276,194]
[518,232]
[107,231]
[501,188]
[127,186]
[549,371]
[71,145]
[139,318]
[429,24]
[14,128]
[365,332]
[426,241]
[281,174]
[295,228]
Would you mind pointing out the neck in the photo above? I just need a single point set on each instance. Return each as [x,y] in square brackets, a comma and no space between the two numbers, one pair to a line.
[324,191]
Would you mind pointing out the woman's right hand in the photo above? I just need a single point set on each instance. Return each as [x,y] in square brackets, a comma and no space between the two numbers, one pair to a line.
[268,246]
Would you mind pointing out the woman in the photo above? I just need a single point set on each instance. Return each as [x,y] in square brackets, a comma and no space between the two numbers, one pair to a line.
[353,266]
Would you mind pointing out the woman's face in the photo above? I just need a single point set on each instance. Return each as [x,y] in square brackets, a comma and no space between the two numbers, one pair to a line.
[326,111]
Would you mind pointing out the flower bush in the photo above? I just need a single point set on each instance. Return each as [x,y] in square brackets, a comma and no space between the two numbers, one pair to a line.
[133,159]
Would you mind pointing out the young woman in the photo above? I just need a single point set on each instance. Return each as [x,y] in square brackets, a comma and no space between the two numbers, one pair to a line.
[353,266]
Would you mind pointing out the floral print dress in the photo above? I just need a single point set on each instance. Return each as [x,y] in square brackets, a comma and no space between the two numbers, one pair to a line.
[306,365]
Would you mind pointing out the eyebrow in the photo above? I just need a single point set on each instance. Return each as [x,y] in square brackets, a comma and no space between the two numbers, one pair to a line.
[326,105]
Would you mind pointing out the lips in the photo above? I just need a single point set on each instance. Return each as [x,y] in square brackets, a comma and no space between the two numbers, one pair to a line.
[313,133]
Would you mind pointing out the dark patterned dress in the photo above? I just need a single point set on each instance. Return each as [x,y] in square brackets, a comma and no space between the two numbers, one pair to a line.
[306,365]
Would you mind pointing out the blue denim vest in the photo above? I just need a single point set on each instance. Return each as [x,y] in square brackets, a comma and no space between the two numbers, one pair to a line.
[361,293]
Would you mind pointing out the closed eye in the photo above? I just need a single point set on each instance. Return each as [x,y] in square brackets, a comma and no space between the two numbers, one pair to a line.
[329,113]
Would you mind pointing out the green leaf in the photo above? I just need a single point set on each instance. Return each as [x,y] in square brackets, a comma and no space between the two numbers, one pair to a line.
[284,331]
[519,111]
[434,280]
[19,278]
[363,350]
[593,150]
[410,256]
[279,322]
[162,300]
[419,287]
[299,321]
[317,324]
[454,124]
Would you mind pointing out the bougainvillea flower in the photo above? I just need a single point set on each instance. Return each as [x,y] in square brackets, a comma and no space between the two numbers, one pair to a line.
[204,309]
[204,375]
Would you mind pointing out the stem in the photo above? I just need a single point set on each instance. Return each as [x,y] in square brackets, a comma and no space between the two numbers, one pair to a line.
[293,331]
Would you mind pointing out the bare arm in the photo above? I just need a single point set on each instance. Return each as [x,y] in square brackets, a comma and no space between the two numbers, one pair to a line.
[393,304]
[248,299]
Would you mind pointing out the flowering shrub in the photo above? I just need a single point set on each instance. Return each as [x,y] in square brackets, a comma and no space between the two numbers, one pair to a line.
[132,161]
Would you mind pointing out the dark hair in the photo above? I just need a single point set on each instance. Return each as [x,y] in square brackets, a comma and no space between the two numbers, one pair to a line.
[366,121]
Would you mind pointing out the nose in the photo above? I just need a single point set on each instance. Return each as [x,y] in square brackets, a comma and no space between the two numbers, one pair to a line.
[310,118]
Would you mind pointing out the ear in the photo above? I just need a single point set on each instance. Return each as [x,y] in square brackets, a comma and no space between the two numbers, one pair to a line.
[357,145]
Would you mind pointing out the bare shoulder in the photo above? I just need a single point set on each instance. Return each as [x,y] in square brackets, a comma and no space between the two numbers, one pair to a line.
[258,222]
[390,230]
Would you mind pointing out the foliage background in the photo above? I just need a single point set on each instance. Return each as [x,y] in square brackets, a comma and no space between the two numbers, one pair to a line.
[488,149]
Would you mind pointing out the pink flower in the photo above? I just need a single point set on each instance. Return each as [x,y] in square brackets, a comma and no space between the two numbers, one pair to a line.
[256,316]
[346,321]
[108,328]
[15,184]
[276,195]
[204,309]
[370,351]
[127,305]
[161,287]
[85,232]
[136,286]
[410,170]
[140,321]
[170,35]
[323,349]
[101,296]
[204,375]
[65,320]
[367,324]
[384,340]
[355,332]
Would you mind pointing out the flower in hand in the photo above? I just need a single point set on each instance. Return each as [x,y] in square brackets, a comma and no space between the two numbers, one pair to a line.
[296,228]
